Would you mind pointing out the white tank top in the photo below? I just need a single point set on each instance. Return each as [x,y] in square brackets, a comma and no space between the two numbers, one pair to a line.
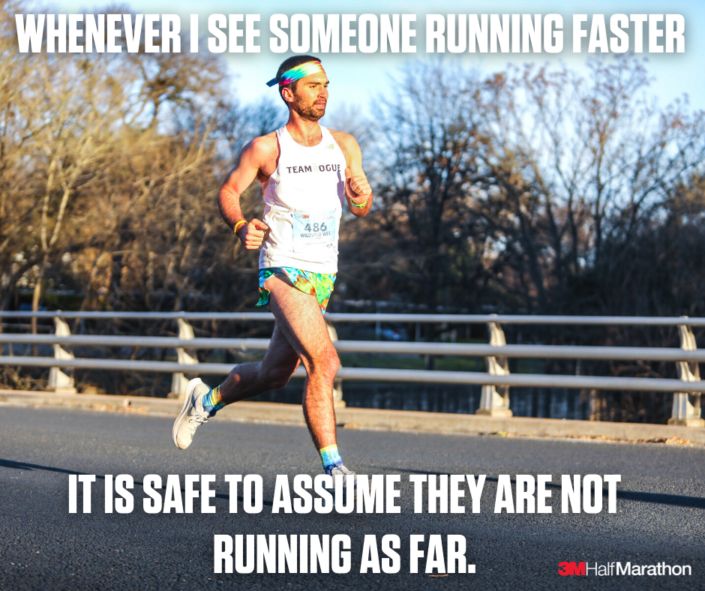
[303,201]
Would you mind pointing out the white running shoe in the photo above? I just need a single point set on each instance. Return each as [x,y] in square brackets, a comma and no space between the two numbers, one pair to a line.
[192,414]
[340,470]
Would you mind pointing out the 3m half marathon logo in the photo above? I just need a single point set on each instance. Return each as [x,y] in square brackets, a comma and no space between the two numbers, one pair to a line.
[623,569]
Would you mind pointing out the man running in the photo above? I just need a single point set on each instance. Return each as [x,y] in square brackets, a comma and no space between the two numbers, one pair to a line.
[307,173]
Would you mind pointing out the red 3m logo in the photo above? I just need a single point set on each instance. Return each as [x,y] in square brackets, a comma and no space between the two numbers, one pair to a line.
[572,569]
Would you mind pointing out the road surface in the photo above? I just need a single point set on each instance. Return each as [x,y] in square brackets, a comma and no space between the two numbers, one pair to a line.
[660,514]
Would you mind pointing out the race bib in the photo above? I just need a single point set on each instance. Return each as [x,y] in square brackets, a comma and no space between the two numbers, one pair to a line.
[314,231]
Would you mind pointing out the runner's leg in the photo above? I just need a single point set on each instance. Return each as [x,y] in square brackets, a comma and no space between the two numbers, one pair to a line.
[244,381]
[300,320]
[250,379]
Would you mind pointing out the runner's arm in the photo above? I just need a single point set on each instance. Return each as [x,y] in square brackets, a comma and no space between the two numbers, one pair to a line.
[252,233]
[357,187]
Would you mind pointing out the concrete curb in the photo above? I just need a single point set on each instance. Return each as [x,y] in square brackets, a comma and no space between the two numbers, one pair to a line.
[377,420]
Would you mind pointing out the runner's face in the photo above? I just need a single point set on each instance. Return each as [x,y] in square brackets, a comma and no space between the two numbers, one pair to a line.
[310,96]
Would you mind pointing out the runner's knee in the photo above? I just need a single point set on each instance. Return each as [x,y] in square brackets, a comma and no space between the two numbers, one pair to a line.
[325,362]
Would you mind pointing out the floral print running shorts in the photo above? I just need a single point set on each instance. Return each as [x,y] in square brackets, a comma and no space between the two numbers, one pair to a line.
[319,285]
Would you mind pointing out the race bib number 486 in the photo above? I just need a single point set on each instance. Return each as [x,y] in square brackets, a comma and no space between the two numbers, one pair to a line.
[314,231]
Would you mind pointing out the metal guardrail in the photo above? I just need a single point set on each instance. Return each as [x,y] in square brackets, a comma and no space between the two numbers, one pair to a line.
[402,348]
[388,318]
[495,382]
[376,374]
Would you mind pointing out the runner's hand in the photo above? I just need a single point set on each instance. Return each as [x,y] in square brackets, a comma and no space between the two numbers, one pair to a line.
[253,233]
[357,186]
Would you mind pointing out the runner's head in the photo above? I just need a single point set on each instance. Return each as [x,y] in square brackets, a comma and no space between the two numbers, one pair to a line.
[303,86]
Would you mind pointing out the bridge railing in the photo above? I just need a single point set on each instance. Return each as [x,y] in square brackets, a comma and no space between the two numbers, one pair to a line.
[495,382]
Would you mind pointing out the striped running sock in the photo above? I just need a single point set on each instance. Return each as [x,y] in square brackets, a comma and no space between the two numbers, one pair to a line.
[213,401]
[330,458]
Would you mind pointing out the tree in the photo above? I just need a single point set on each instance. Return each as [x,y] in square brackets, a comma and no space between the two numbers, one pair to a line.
[427,165]
[577,162]
[102,163]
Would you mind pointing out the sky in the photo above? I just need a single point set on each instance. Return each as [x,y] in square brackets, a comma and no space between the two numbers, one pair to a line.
[356,79]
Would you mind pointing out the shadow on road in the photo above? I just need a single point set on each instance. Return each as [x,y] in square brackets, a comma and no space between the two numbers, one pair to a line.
[27,466]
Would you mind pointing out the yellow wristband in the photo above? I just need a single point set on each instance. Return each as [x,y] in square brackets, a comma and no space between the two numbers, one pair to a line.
[359,205]
[239,225]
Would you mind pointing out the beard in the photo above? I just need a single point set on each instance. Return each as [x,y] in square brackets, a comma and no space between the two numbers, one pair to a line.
[311,112]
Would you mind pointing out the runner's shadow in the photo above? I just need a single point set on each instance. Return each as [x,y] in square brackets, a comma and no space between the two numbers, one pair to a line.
[28,466]
[627,495]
